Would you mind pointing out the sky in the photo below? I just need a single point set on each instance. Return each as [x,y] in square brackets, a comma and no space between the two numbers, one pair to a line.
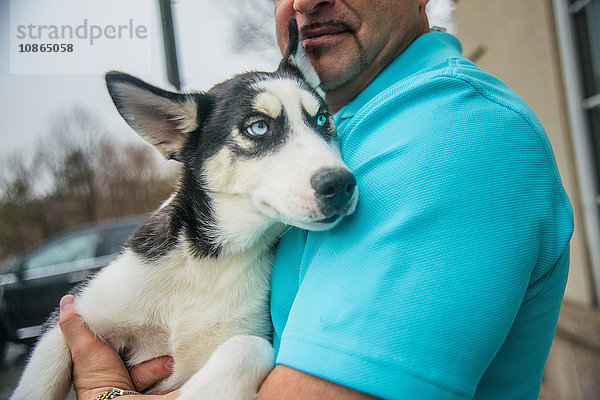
[36,88]
[30,102]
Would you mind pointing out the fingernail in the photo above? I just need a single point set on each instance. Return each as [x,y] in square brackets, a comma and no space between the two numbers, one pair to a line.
[170,364]
[66,300]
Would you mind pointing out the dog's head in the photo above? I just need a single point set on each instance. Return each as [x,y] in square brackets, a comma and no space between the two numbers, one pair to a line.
[264,141]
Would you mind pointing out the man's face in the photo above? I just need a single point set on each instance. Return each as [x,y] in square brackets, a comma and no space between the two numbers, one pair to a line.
[350,41]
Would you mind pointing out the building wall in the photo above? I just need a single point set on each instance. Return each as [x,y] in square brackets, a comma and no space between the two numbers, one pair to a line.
[515,41]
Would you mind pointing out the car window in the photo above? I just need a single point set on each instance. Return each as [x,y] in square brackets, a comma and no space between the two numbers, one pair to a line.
[114,238]
[73,248]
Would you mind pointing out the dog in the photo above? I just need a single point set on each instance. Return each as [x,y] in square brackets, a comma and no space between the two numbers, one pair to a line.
[258,153]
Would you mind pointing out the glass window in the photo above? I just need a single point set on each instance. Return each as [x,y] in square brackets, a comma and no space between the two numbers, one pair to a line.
[585,16]
[70,249]
[587,30]
[594,119]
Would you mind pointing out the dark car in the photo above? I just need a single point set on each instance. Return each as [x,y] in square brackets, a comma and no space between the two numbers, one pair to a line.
[32,288]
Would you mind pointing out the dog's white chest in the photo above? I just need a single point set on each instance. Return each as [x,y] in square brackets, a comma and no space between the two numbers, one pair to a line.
[182,308]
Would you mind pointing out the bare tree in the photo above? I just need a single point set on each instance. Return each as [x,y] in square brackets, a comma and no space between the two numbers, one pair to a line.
[132,181]
[69,154]
[78,174]
[21,217]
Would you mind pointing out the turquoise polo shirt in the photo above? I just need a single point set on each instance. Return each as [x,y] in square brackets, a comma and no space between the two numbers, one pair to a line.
[446,282]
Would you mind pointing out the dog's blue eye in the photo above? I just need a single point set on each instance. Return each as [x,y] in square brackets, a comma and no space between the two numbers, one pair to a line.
[321,119]
[258,128]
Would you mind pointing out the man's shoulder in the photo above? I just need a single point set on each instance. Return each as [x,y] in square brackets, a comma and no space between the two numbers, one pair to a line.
[450,103]
[456,86]
[450,120]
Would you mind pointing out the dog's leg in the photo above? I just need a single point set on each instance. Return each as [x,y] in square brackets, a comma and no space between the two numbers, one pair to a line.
[48,372]
[234,371]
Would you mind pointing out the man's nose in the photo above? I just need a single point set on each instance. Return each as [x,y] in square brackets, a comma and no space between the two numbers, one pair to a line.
[311,6]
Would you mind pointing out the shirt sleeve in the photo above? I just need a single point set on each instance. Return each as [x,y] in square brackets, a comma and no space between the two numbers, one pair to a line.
[460,214]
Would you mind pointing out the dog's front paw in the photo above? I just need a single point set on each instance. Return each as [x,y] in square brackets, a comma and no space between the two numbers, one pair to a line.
[234,371]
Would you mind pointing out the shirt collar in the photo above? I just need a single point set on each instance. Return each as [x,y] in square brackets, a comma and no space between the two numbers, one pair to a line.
[427,50]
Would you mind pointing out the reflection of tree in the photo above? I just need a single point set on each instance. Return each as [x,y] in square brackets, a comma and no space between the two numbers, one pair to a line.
[77,174]
[252,23]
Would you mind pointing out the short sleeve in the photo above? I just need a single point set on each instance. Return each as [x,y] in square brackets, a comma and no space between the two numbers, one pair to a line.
[461,214]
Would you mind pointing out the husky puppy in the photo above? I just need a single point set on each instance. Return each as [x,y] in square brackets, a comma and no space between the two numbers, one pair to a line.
[258,152]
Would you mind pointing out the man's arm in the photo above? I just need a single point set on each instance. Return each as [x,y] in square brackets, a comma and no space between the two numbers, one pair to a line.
[289,383]
[97,368]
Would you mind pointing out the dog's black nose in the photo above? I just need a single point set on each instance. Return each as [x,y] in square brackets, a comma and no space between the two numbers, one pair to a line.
[333,187]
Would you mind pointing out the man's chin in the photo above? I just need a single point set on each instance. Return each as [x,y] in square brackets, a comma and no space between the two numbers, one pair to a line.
[334,73]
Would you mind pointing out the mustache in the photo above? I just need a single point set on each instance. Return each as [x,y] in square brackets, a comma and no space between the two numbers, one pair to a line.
[312,26]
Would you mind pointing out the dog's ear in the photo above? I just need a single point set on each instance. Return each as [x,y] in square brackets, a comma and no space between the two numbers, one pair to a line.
[296,58]
[161,118]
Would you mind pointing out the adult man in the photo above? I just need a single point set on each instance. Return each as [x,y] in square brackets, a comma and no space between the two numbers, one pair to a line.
[446,282]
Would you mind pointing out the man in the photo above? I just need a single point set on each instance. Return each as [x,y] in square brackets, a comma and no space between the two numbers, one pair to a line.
[447,281]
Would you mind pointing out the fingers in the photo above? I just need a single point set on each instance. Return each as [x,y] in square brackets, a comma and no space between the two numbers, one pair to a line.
[150,372]
[96,365]
[77,335]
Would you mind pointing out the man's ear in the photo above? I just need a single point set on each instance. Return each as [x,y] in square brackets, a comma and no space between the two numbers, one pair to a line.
[296,57]
[163,119]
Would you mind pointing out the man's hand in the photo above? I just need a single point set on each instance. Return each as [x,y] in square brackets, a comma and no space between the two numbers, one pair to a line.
[98,368]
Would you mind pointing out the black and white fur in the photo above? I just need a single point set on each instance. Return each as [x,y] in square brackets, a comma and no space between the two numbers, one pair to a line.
[193,281]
